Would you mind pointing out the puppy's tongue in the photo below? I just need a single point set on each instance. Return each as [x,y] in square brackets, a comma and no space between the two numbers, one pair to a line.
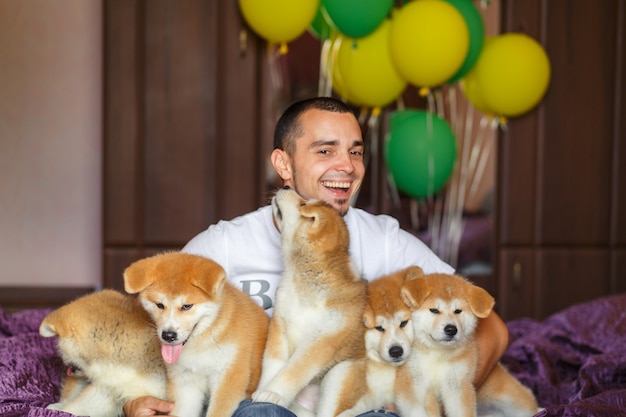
[171,353]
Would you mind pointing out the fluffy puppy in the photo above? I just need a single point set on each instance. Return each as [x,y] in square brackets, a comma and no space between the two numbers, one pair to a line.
[107,341]
[445,310]
[212,335]
[388,340]
[317,319]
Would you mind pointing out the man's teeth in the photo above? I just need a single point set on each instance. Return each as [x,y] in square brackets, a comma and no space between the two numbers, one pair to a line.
[336,184]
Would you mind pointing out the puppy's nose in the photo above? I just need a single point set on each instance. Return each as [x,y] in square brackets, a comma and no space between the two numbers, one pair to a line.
[286,187]
[168,335]
[450,330]
[396,351]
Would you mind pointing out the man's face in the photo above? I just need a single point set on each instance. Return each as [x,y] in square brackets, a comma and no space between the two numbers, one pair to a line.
[328,161]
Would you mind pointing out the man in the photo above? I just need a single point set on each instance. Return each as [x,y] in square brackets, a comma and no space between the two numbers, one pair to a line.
[318,151]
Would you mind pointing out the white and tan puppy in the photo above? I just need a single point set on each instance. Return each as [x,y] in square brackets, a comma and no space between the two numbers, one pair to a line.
[212,335]
[317,319]
[445,312]
[388,340]
[108,343]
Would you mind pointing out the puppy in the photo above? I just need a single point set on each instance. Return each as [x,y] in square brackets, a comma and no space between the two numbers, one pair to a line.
[445,310]
[112,355]
[317,319]
[388,340]
[212,335]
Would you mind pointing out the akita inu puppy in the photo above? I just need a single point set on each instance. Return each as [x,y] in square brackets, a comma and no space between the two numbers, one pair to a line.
[445,312]
[107,341]
[212,335]
[388,340]
[317,319]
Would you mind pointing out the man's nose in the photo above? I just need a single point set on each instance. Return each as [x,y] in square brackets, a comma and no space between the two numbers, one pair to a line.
[345,162]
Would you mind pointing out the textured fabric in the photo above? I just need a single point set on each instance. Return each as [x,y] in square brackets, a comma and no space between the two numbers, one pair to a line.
[30,369]
[575,360]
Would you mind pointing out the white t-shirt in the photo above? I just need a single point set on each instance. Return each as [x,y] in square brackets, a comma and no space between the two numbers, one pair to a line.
[248,248]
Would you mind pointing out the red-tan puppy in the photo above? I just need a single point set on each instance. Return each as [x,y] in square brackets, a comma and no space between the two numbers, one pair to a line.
[317,320]
[388,340]
[212,335]
[112,355]
[445,310]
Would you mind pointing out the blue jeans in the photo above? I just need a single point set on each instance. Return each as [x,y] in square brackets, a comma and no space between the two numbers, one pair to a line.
[247,408]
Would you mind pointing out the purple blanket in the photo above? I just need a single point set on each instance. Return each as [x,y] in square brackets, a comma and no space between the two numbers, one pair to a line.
[574,361]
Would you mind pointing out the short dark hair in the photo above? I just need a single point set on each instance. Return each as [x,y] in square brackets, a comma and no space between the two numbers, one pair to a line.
[288,128]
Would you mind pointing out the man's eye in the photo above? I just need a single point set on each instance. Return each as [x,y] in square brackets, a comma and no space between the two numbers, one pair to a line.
[325,151]
[357,153]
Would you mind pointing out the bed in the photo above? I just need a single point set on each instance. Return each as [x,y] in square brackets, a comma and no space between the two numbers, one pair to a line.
[574,361]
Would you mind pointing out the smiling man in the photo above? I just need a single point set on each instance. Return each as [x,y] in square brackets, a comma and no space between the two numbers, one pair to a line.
[318,151]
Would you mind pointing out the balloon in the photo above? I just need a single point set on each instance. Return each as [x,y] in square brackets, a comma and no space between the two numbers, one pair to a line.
[429,41]
[471,90]
[367,71]
[279,21]
[476,28]
[420,151]
[356,18]
[338,79]
[512,74]
[320,28]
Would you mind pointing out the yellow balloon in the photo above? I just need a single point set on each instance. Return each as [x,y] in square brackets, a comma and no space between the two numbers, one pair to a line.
[338,78]
[512,74]
[279,21]
[368,74]
[472,92]
[429,41]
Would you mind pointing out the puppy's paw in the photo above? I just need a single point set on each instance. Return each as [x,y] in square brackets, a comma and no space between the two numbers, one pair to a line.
[265,396]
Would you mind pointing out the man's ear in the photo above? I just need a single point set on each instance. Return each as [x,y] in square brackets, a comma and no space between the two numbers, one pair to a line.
[282,163]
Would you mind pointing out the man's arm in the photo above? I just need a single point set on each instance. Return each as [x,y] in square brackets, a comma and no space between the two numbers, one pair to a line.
[147,406]
[493,339]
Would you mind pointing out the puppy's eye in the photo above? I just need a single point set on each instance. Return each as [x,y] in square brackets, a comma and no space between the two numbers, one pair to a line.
[404,323]
[160,306]
[186,307]
[434,310]
[380,329]
[458,311]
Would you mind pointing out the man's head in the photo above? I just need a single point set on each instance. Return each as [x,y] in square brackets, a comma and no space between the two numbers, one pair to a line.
[318,151]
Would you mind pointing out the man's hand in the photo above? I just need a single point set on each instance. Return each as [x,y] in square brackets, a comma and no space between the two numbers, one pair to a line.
[147,406]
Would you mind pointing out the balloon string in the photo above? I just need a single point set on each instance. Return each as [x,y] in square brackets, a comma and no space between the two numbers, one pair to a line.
[373,127]
[324,85]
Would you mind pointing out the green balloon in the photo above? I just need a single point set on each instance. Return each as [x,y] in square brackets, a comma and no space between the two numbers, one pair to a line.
[320,28]
[356,18]
[420,151]
[476,28]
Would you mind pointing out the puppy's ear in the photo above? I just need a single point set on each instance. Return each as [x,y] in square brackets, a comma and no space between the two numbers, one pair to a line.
[413,272]
[480,301]
[136,276]
[209,277]
[368,317]
[48,325]
[415,292]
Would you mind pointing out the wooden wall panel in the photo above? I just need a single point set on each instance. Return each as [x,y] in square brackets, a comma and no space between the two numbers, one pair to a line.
[182,127]
[568,276]
[122,120]
[561,180]
[577,139]
[516,289]
[180,119]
